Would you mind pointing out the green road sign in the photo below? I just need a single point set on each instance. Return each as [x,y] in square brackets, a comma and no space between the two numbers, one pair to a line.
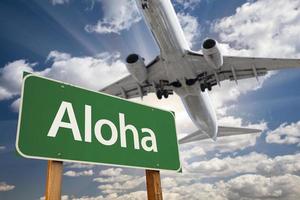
[58,121]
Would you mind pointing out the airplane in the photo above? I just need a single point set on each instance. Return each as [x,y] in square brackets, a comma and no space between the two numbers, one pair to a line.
[188,73]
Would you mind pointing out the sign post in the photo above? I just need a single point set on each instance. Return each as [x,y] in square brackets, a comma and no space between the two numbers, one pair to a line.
[53,182]
[154,191]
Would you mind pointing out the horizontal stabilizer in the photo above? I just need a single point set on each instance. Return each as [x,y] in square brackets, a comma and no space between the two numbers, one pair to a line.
[222,132]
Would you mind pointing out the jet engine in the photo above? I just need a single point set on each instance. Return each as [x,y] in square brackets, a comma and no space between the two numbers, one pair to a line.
[136,67]
[212,53]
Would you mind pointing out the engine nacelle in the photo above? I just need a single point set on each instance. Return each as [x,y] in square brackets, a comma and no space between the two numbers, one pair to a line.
[212,53]
[136,67]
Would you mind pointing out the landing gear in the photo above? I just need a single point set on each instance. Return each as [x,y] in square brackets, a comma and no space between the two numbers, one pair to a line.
[163,93]
[166,94]
[190,82]
[145,4]
[176,84]
[159,94]
[163,88]
[209,87]
[203,86]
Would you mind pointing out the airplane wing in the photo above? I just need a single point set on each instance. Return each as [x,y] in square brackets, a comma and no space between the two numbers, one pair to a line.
[222,132]
[128,88]
[236,68]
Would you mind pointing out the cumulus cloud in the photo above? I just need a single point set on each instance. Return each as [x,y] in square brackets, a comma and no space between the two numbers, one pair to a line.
[11,78]
[16,105]
[260,28]
[263,28]
[122,187]
[111,172]
[251,163]
[72,173]
[190,26]
[57,56]
[63,197]
[59,2]
[247,187]
[285,134]
[260,187]
[100,71]
[4,187]
[113,179]
[136,195]
[188,4]
[229,92]
[118,16]
[70,165]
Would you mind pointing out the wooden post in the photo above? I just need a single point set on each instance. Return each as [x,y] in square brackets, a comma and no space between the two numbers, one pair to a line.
[154,191]
[54,176]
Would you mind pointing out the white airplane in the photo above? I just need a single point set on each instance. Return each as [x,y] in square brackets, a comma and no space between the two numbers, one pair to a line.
[187,73]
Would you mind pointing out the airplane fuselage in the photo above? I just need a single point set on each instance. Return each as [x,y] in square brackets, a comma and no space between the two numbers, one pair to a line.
[162,21]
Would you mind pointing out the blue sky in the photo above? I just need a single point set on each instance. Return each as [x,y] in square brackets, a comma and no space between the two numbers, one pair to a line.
[85,43]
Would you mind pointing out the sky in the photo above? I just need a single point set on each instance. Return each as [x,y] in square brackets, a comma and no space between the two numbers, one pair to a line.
[85,43]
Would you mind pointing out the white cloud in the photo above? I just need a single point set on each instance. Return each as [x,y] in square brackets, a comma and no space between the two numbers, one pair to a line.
[71,165]
[100,71]
[113,179]
[247,187]
[2,148]
[16,105]
[4,187]
[280,165]
[137,195]
[58,56]
[251,163]
[253,176]
[118,16]
[100,197]
[59,2]
[285,134]
[190,26]
[63,197]
[263,28]
[229,91]
[188,4]
[194,152]
[121,187]
[72,173]
[111,172]
[260,187]
[11,78]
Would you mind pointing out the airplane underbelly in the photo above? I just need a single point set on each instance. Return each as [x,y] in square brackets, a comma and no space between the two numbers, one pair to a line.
[199,109]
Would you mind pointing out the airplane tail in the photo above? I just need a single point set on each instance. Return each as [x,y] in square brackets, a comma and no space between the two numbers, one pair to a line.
[222,132]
